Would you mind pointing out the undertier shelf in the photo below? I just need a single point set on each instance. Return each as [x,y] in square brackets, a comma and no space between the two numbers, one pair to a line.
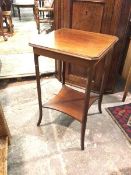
[70,102]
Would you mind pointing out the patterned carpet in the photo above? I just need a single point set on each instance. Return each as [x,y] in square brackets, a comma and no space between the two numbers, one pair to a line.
[122,116]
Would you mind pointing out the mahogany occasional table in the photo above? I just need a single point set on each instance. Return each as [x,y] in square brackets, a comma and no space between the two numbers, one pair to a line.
[77,47]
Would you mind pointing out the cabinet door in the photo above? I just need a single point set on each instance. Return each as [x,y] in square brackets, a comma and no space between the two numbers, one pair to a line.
[88,15]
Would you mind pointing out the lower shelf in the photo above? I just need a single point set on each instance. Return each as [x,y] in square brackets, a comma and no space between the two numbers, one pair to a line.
[70,101]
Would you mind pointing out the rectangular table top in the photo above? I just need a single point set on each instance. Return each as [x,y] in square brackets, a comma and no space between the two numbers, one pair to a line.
[77,43]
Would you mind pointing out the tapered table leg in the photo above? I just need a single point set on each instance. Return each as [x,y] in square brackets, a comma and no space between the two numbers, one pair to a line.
[63,73]
[38,88]
[107,63]
[18,8]
[86,105]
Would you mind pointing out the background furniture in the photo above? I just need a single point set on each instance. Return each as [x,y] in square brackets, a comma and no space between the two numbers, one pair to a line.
[4,140]
[91,49]
[6,5]
[7,20]
[127,63]
[44,13]
[128,82]
[5,17]
[126,73]
[103,16]
[22,4]
[1,25]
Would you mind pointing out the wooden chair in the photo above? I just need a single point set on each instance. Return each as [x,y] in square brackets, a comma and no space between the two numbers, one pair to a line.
[44,13]
[4,141]
[127,85]
[6,18]
[1,25]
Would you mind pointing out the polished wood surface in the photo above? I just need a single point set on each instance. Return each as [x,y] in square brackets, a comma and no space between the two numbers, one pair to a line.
[71,102]
[103,16]
[76,47]
[84,45]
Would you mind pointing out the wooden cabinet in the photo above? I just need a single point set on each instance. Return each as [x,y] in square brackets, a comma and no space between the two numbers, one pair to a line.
[103,16]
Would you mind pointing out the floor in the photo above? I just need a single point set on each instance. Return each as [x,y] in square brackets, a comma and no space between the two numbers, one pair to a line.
[54,147]
[16,56]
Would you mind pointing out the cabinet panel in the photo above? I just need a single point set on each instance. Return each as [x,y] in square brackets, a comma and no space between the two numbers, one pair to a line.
[87,16]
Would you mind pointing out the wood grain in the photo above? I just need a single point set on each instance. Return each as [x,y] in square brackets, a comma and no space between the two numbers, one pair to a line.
[71,102]
[84,45]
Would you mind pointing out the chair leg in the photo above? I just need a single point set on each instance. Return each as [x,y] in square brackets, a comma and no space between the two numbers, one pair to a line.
[34,12]
[19,13]
[2,30]
[13,9]
[127,85]
[38,28]
[10,25]
[37,22]
[8,21]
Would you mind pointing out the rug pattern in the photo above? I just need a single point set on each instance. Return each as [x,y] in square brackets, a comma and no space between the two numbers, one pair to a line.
[122,116]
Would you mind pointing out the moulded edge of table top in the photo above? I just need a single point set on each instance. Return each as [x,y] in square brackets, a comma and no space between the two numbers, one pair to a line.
[70,102]
[67,41]
[23,5]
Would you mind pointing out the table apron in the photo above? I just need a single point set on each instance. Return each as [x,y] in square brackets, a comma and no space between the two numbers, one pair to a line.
[64,57]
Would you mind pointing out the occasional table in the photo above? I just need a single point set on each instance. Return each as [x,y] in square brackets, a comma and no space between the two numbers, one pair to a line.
[19,5]
[81,48]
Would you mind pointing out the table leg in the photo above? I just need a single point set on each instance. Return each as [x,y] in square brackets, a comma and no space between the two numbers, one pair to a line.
[34,11]
[13,9]
[86,105]
[63,72]
[38,88]
[19,13]
[104,79]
